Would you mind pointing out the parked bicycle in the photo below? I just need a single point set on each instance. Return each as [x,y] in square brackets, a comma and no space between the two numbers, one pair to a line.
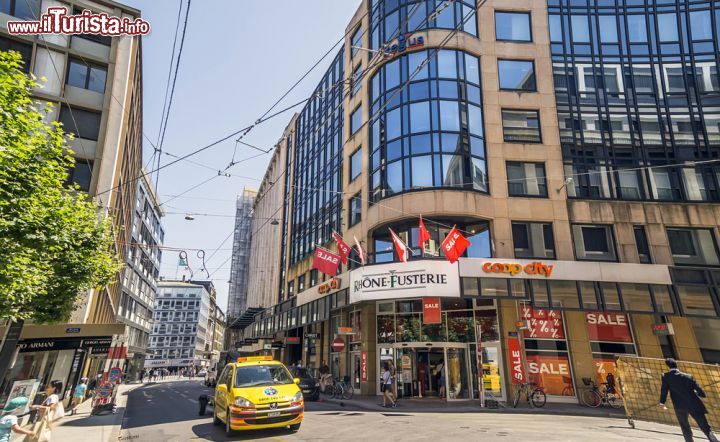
[535,396]
[337,389]
[596,396]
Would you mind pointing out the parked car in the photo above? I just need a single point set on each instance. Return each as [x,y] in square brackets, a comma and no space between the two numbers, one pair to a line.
[308,384]
[202,373]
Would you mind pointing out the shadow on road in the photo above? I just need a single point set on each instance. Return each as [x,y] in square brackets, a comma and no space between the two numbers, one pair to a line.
[214,433]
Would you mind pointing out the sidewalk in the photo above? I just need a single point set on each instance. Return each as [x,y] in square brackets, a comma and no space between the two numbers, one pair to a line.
[433,405]
[82,427]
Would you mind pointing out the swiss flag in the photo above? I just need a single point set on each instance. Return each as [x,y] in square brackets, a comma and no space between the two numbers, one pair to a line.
[400,246]
[424,235]
[343,248]
[326,261]
[454,245]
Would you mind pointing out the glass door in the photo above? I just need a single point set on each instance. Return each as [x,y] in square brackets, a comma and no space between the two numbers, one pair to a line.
[355,371]
[458,385]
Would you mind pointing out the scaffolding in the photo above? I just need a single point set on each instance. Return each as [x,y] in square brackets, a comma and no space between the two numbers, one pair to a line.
[237,295]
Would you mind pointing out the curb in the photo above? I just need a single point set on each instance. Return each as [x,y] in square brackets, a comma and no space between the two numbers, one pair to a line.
[404,408]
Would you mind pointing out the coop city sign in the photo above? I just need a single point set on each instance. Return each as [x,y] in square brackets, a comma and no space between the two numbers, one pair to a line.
[405,280]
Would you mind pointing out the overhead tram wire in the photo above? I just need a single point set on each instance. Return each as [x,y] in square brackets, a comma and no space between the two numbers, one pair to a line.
[378,59]
[172,90]
[170,70]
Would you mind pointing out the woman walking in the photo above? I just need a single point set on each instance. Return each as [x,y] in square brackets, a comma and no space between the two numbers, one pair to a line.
[50,411]
[387,387]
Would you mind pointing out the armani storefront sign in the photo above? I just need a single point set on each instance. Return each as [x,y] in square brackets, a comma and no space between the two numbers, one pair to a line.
[405,280]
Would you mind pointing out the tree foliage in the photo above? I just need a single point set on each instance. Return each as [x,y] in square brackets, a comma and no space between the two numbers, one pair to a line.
[54,243]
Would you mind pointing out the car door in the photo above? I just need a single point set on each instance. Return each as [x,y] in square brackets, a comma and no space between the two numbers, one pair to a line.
[221,393]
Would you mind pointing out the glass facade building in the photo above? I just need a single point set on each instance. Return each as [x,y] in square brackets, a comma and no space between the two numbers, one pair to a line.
[574,143]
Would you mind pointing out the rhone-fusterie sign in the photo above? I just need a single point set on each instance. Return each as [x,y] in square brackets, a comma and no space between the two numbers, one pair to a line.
[405,280]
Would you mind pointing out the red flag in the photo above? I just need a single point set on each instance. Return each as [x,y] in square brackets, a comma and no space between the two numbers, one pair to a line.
[423,236]
[400,246]
[343,248]
[454,245]
[326,261]
[360,251]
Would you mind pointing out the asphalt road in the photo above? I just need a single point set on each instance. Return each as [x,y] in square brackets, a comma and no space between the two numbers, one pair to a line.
[168,411]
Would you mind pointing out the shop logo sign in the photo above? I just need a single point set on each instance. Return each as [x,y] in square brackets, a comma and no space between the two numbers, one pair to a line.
[328,286]
[404,42]
[392,280]
[534,268]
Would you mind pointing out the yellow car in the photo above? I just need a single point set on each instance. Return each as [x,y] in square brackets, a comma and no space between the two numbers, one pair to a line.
[256,393]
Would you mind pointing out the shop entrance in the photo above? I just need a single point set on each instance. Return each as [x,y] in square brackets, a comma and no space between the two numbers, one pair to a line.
[429,370]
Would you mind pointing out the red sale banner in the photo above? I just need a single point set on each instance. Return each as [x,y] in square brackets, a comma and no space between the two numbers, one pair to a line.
[552,373]
[609,327]
[431,311]
[517,369]
[544,323]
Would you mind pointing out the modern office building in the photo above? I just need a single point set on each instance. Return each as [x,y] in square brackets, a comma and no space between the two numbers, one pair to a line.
[576,144]
[182,333]
[94,84]
[140,275]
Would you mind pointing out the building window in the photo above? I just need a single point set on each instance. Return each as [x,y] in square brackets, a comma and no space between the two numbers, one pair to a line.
[517,75]
[356,80]
[594,242]
[693,246]
[97,38]
[356,42]
[513,26]
[355,164]
[22,9]
[696,300]
[526,179]
[81,174]
[291,289]
[86,76]
[25,50]
[643,248]
[81,123]
[533,240]
[301,283]
[355,209]
[355,120]
[313,278]
[521,126]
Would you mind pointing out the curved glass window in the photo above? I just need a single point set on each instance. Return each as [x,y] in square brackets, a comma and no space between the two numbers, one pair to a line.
[476,231]
[637,86]
[391,18]
[428,133]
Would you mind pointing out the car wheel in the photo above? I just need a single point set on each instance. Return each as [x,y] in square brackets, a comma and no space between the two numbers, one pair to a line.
[295,427]
[216,421]
[228,431]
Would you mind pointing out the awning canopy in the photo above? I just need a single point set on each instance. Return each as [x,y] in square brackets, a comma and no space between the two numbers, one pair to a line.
[247,318]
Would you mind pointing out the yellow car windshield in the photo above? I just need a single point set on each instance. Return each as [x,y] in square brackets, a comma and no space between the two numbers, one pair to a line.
[260,375]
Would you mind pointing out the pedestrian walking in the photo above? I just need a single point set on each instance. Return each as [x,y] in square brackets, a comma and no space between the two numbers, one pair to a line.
[142,376]
[685,394]
[387,387]
[51,410]
[78,395]
[9,420]
[440,370]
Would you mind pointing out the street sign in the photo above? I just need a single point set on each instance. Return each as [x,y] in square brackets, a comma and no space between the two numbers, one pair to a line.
[115,374]
[267,346]
[72,330]
[105,389]
[338,344]
[312,335]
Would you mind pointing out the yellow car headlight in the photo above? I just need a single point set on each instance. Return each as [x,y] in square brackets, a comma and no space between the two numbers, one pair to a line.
[298,397]
[242,402]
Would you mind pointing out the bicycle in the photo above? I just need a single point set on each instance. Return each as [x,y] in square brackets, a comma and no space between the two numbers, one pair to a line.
[346,388]
[534,396]
[594,397]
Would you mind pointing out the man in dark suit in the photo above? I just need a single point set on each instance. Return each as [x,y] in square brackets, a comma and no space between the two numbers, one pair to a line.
[685,394]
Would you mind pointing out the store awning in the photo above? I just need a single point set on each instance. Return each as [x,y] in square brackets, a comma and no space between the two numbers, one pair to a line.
[247,318]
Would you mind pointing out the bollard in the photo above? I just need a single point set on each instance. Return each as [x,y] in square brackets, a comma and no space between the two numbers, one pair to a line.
[203,400]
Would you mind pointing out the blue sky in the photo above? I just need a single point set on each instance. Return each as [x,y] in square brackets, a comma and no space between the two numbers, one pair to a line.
[239,57]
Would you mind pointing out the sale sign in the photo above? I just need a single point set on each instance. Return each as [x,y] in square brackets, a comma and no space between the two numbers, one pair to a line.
[543,323]
[552,373]
[325,261]
[517,369]
[608,327]
[364,366]
[431,311]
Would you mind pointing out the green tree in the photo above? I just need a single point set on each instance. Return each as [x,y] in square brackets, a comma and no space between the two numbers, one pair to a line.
[54,242]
